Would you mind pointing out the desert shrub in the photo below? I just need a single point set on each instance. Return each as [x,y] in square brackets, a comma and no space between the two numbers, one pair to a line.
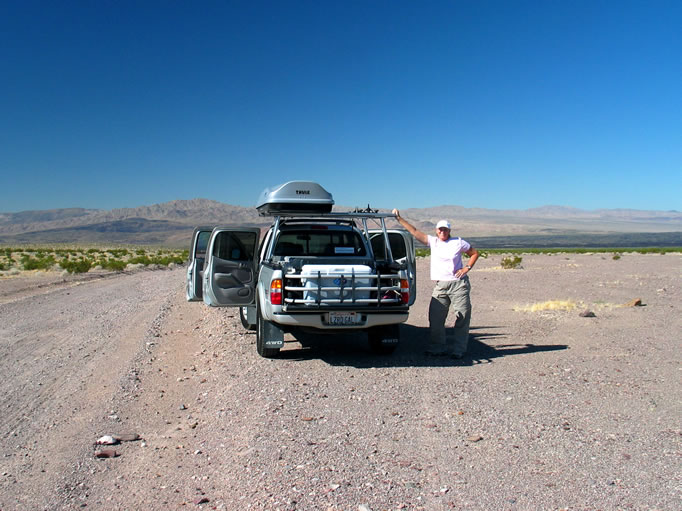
[172,258]
[143,260]
[79,260]
[511,262]
[78,266]
[163,261]
[113,264]
[37,263]
[119,252]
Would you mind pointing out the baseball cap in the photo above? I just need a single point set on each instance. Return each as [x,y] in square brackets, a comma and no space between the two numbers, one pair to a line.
[443,223]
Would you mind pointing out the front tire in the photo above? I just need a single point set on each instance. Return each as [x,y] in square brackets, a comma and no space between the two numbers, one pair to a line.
[243,315]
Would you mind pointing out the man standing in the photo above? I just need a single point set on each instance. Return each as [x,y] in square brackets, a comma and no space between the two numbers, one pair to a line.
[452,286]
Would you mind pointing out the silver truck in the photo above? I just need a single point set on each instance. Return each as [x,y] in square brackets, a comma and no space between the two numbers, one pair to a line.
[314,270]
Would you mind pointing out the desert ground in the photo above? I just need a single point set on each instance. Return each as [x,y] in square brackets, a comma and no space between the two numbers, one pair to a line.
[550,410]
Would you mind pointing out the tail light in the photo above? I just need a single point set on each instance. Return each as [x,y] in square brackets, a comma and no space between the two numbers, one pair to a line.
[404,291]
[276,292]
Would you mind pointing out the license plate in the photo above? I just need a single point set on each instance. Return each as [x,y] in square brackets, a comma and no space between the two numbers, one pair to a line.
[342,318]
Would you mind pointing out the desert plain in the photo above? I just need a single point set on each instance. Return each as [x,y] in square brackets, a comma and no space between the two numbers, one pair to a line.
[550,410]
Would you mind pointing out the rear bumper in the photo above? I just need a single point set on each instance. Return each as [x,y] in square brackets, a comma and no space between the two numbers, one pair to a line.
[320,320]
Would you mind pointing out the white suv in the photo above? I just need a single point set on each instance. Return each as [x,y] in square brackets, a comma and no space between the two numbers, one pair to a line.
[325,271]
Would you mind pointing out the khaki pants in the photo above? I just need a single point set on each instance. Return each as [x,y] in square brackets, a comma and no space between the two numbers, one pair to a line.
[447,294]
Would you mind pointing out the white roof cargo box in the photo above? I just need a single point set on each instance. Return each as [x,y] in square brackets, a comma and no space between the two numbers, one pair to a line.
[295,197]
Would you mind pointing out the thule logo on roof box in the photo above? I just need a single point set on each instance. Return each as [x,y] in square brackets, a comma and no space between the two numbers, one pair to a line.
[302,192]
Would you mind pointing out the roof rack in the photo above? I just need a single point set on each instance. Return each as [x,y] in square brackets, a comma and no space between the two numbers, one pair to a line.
[346,217]
[332,215]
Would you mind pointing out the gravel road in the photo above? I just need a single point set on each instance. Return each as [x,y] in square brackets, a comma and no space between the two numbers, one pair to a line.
[551,410]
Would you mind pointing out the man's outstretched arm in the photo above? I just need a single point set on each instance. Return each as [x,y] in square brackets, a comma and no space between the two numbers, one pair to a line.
[420,236]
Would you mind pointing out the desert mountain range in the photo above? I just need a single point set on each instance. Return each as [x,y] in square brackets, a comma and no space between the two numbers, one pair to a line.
[171,223]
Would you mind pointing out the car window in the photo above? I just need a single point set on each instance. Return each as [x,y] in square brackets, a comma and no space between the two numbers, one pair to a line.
[202,241]
[321,242]
[397,246]
[235,246]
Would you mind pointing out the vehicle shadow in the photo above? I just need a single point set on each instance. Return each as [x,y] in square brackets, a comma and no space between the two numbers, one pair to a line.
[353,349]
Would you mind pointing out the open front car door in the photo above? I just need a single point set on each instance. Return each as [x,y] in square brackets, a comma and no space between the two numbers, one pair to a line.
[197,257]
[230,270]
[402,249]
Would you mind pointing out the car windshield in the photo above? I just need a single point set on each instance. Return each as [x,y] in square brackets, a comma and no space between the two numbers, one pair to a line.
[320,242]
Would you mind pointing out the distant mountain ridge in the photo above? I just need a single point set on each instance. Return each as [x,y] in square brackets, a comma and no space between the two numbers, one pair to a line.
[191,212]
[172,222]
[485,222]
[545,212]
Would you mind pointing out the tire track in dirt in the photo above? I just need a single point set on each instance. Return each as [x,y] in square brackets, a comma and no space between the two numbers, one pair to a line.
[63,353]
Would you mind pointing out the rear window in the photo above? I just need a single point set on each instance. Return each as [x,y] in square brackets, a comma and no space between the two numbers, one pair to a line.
[397,246]
[321,242]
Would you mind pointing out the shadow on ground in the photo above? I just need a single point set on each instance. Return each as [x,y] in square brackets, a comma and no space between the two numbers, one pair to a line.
[353,349]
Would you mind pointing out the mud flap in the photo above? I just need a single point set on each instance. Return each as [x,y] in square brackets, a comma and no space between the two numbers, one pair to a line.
[384,339]
[389,335]
[273,336]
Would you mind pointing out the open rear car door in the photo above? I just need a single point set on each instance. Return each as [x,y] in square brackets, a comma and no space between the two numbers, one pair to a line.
[402,249]
[197,257]
[230,271]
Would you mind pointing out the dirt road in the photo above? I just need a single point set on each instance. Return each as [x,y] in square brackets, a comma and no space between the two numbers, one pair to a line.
[550,411]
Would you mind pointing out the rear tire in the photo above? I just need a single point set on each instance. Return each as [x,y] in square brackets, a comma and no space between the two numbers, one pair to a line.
[260,341]
[378,336]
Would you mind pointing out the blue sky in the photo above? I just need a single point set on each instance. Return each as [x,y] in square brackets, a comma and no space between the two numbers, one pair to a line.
[492,104]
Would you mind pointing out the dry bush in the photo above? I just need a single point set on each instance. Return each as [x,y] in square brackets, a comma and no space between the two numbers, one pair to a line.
[511,262]
[550,305]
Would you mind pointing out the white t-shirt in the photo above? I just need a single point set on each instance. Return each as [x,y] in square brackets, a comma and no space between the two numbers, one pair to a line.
[446,257]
